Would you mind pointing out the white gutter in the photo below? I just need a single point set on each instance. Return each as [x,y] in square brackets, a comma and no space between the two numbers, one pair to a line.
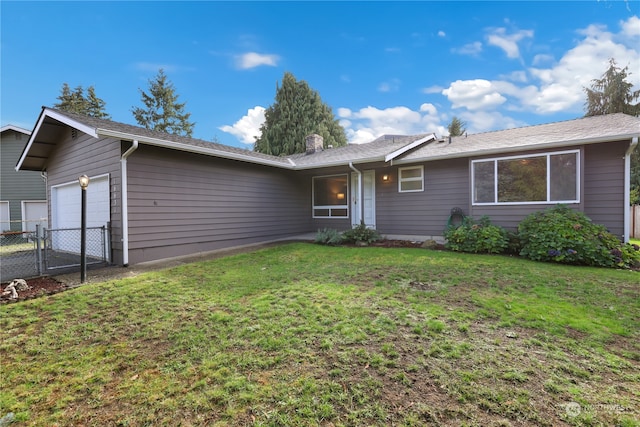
[361,206]
[125,203]
[627,188]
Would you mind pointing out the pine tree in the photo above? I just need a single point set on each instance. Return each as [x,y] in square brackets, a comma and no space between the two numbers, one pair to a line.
[612,93]
[76,102]
[297,112]
[456,127]
[163,112]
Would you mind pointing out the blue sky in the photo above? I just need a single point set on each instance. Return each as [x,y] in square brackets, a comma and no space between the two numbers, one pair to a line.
[384,67]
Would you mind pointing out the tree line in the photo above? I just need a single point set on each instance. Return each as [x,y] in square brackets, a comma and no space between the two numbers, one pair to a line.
[298,111]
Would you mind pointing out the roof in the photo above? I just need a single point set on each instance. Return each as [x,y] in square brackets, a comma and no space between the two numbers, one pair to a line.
[387,148]
[6,128]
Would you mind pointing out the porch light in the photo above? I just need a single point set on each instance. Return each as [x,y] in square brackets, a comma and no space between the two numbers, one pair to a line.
[340,196]
[84,183]
[385,177]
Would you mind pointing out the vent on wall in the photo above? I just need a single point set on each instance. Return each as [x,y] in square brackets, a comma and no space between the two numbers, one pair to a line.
[74,133]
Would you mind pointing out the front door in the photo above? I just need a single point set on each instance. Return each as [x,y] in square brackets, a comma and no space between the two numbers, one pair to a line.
[368,196]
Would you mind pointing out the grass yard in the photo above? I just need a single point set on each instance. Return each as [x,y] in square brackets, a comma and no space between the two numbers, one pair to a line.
[308,335]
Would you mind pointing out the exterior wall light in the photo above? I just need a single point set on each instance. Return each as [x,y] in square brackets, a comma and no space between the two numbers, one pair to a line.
[385,177]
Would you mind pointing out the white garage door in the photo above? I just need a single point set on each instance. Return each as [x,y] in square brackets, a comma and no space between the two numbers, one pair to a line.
[66,211]
[33,213]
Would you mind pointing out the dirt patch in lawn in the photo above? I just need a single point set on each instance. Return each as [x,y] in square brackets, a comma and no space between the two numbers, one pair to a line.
[38,287]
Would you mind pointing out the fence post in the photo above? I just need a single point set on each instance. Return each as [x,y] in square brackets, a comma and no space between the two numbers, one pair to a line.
[38,254]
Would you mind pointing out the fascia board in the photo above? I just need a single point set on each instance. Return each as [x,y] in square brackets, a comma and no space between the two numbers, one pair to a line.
[408,147]
[72,123]
[30,142]
[190,148]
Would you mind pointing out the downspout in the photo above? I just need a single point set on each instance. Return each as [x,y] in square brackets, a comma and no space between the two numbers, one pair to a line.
[627,187]
[361,207]
[125,203]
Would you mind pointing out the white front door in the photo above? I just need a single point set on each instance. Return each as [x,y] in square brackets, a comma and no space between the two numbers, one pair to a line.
[369,199]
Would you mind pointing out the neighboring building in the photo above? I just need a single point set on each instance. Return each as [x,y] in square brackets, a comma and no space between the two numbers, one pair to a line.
[168,195]
[22,193]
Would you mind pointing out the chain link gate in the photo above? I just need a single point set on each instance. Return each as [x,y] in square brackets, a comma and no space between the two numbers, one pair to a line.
[45,251]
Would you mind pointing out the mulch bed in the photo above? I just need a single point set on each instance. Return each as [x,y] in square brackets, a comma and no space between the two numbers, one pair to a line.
[40,286]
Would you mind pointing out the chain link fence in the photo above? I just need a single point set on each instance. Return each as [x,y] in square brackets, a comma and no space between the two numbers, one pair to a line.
[26,254]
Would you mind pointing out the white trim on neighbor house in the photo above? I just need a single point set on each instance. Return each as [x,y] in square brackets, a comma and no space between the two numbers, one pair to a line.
[411,179]
[548,200]
[15,129]
[5,216]
[627,189]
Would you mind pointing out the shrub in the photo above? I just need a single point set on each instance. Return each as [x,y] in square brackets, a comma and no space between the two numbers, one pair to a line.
[477,236]
[560,234]
[328,236]
[361,234]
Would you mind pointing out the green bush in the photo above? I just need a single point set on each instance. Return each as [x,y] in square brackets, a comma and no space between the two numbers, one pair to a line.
[560,234]
[361,234]
[477,236]
[328,236]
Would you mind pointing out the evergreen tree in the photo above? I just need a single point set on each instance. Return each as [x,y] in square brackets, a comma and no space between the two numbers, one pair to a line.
[456,127]
[163,112]
[612,93]
[76,102]
[297,112]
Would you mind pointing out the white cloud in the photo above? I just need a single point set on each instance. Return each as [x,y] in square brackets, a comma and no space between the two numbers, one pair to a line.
[475,94]
[441,34]
[369,123]
[390,86]
[248,127]
[508,42]
[472,49]
[631,28]
[483,121]
[540,58]
[253,60]
[562,85]
[433,89]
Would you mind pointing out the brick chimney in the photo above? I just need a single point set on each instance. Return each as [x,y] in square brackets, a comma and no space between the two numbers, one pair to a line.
[315,143]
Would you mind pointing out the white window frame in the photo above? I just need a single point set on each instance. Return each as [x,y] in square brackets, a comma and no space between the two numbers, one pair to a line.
[330,208]
[5,223]
[402,180]
[548,159]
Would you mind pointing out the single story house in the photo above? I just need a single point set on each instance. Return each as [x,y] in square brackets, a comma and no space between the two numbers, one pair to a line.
[23,202]
[167,195]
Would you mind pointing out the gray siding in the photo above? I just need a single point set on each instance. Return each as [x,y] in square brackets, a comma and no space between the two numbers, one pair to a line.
[446,185]
[86,155]
[181,203]
[19,186]
[604,185]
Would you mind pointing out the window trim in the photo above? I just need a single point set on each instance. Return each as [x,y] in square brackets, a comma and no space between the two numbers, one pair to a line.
[330,208]
[548,155]
[412,179]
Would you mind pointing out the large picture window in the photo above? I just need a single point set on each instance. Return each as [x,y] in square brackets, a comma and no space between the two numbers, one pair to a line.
[539,178]
[330,199]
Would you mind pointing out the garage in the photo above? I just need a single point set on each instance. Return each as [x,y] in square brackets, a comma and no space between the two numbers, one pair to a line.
[66,211]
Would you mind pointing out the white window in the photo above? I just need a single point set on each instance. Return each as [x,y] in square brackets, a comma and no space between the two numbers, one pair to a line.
[411,179]
[330,198]
[537,178]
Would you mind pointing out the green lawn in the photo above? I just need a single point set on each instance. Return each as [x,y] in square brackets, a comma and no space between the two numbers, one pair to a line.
[308,335]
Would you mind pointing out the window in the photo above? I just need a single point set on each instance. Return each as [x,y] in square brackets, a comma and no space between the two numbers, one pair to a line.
[538,178]
[330,198]
[411,179]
